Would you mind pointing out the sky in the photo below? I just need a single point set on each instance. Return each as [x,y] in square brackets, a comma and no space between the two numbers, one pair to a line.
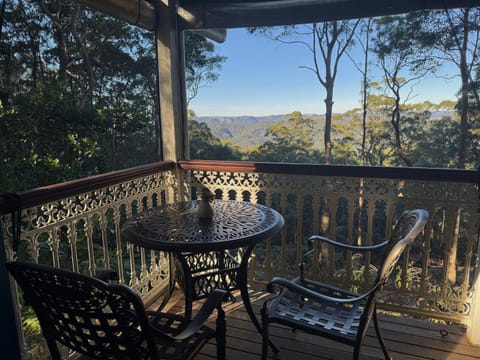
[262,77]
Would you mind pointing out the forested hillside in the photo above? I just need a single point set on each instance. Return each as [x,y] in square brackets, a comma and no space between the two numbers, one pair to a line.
[78,93]
[78,90]
[246,132]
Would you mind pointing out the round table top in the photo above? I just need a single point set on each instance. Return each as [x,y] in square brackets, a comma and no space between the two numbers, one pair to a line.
[176,227]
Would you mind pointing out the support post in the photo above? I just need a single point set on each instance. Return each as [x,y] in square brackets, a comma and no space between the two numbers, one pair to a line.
[171,74]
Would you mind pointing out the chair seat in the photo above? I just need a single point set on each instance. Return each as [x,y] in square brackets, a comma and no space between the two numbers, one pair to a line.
[172,325]
[333,320]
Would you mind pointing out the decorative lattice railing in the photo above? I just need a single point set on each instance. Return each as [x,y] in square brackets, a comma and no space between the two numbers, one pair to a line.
[76,226]
[358,204]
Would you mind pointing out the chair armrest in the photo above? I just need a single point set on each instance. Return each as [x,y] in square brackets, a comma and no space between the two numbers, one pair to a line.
[299,289]
[347,246]
[107,275]
[213,302]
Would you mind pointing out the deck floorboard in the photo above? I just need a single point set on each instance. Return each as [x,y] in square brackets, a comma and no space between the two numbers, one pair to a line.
[406,338]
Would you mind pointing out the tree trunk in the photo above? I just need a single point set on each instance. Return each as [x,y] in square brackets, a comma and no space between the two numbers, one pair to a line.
[59,36]
[452,257]
[464,74]
[396,117]
[87,93]
[365,87]
[328,122]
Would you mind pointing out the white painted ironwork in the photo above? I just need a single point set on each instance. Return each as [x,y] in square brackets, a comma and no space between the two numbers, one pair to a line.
[82,233]
[434,280]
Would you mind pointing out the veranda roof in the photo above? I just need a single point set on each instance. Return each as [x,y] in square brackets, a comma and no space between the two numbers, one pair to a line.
[206,15]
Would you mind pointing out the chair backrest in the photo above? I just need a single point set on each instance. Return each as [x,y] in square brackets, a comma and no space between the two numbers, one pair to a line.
[85,314]
[408,226]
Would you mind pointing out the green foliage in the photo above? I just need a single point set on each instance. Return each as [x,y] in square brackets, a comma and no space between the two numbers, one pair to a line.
[31,324]
[78,90]
[204,145]
[47,138]
[202,65]
[292,140]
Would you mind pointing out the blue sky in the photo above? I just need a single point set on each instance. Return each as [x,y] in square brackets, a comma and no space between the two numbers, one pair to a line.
[262,77]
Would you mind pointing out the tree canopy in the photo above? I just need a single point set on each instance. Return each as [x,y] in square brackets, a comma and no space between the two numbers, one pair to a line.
[78,91]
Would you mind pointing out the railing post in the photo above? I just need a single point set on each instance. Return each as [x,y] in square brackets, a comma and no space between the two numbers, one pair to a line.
[473,331]
[9,341]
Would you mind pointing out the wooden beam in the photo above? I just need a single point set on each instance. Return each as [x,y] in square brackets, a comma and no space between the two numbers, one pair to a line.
[217,35]
[135,12]
[228,14]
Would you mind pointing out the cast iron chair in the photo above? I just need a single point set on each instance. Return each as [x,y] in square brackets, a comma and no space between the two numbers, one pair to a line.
[335,313]
[105,321]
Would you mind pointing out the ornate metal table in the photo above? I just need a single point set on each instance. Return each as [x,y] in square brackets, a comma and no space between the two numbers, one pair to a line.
[208,255]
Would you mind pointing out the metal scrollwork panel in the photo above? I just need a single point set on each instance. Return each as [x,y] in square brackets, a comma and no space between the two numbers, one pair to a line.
[81,232]
[436,275]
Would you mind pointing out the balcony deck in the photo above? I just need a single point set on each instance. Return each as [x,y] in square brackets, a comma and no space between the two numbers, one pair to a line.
[406,338]
[63,223]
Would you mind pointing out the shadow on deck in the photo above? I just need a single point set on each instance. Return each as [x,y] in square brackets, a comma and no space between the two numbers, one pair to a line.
[406,338]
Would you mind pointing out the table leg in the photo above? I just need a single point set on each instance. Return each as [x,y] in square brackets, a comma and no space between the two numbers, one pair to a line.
[187,285]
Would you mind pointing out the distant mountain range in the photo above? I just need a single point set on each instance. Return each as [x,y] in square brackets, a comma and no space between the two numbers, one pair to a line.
[243,131]
[247,131]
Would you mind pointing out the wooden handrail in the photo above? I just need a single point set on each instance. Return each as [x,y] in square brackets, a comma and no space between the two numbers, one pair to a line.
[404,173]
[44,194]
[29,198]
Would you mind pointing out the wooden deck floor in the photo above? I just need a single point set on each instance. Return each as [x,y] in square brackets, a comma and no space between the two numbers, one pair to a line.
[406,339]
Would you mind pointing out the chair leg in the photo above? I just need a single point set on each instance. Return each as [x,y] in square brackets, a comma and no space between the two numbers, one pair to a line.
[379,335]
[265,341]
[356,352]
[264,333]
[221,333]
[52,346]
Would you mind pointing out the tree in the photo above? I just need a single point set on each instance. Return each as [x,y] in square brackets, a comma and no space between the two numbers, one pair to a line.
[454,36]
[47,139]
[327,43]
[473,140]
[403,61]
[292,140]
[86,80]
[368,139]
[363,41]
[202,65]
[204,145]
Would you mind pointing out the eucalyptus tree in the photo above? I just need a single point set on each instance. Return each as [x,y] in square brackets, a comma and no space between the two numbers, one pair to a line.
[362,40]
[327,43]
[453,36]
[290,140]
[82,78]
[202,64]
[403,61]
[368,138]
